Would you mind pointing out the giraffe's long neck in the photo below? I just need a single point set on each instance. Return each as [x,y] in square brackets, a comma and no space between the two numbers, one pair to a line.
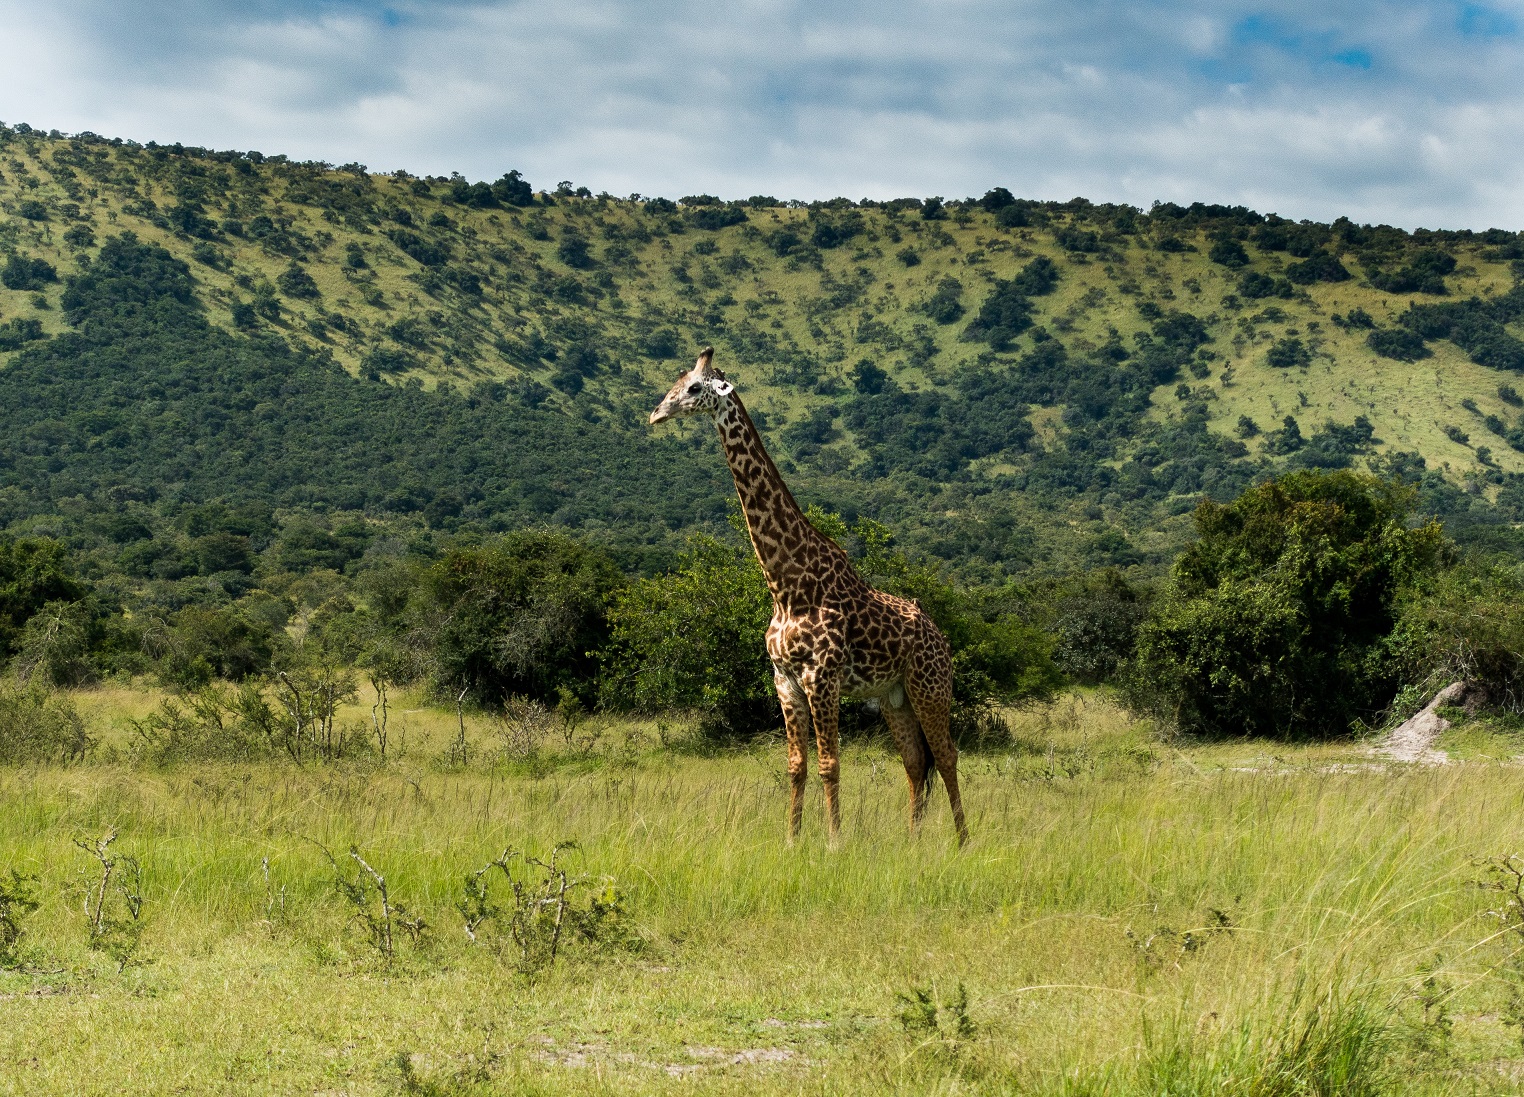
[790,550]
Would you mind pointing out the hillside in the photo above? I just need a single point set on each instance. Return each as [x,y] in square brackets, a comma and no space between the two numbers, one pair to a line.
[1010,385]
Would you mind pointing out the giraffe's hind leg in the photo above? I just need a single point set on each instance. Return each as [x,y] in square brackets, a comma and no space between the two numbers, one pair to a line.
[906,731]
[929,686]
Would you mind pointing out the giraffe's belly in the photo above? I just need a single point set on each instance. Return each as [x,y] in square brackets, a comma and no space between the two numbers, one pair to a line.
[857,685]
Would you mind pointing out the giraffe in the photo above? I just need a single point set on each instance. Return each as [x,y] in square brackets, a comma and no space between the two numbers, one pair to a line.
[832,636]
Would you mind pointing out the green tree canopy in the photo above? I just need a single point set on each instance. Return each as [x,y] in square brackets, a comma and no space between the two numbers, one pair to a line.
[1281,615]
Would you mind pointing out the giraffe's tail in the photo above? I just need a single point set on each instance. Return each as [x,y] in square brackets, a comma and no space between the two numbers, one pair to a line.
[931,761]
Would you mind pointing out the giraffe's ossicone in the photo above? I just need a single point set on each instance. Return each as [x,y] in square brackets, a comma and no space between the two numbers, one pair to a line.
[832,635]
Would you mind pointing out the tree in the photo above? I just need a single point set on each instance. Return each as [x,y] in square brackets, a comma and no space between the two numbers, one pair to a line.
[34,572]
[868,378]
[944,305]
[695,639]
[997,198]
[517,616]
[296,282]
[1228,252]
[573,251]
[513,189]
[1281,616]
[1288,352]
[1320,266]
[22,272]
[1399,344]
[1007,312]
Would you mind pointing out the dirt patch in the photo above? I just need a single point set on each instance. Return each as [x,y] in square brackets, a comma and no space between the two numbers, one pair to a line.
[1414,740]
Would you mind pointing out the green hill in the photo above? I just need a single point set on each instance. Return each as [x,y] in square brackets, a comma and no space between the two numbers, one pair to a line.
[1011,385]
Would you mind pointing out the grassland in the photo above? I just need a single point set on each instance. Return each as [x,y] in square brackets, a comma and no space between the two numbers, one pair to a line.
[1131,916]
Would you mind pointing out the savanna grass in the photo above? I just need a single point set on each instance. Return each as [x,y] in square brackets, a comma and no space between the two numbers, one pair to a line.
[1129,918]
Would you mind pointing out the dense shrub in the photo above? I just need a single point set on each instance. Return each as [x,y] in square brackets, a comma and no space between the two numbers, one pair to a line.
[1095,624]
[1254,285]
[520,615]
[33,573]
[1007,311]
[1281,617]
[1398,343]
[1469,626]
[695,639]
[1424,273]
[1287,353]
[944,305]
[1318,267]
[18,331]
[21,272]
[1228,252]
[216,722]
[37,725]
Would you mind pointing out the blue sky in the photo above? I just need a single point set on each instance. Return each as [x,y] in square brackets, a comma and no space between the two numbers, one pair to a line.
[1406,113]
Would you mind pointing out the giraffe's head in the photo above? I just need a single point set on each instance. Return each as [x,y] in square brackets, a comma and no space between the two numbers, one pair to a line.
[703,389]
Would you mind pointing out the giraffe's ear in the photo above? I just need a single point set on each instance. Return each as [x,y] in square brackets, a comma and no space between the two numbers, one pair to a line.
[723,388]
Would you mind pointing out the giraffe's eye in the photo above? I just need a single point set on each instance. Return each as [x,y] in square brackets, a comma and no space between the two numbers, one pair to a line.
[695,388]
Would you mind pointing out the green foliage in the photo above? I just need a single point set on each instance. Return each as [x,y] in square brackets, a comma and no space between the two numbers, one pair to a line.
[37,725]
[695,639]
[1228,252]
[216,722]
[1095,623]
[361,445]
[1078,240]
[296,282]
[1281,619]
[54,647]
[18,331]
[944,306]
[1254,285]
[22,272]
[34,571]
[17,900]
[1288,352]
[1013,217]
[1424,273]
[519,615]
[1007,311]
[1476,326]
[200,642]
[1286,440]
[1468,625]
[1399,344]
[1320,266]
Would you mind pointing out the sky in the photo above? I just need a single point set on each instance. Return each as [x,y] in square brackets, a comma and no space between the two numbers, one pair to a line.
[1403,113]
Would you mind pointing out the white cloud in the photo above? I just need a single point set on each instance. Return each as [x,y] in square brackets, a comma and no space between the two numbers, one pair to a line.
[1385,111]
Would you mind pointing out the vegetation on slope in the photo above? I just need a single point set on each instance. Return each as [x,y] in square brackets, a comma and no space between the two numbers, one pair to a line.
[1012,385]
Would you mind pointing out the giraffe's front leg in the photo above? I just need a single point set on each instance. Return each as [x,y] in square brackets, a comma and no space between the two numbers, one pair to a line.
[796,720]
[824,691]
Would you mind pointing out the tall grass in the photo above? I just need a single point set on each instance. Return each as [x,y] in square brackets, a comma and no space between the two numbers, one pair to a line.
[1127,919]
